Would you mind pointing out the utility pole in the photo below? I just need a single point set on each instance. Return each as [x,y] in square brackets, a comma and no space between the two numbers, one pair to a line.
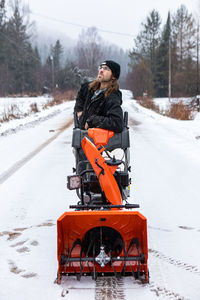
[197,76]
[197,83]
[52,73]
[170,71]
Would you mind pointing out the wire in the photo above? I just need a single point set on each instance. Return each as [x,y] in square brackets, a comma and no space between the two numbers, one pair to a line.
[80,25]
[12,42]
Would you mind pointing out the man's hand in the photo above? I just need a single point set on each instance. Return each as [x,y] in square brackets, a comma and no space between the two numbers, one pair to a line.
[86,126]
[79,114]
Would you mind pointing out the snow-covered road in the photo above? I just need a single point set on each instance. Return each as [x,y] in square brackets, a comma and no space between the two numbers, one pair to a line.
[165,182]
[166,166]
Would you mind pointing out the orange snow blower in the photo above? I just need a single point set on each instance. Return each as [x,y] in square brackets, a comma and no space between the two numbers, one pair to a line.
[101,235]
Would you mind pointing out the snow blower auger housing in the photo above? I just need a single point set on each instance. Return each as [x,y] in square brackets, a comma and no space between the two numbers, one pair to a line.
[100,235]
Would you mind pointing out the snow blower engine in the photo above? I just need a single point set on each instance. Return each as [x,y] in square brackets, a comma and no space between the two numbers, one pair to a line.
[102,234]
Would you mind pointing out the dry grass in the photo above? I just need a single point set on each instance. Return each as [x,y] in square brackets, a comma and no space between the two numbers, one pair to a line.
[148,103]
[14,113]
[180,111]
[177,111]
[24,94]
[60,97]
[34,107]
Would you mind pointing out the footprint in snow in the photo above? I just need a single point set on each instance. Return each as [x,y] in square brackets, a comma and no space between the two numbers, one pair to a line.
[34,243]
[23,250]
[29,275]
[14,269]
[13,235]
[20,229]
[18,244]
[48,224]
[186,227]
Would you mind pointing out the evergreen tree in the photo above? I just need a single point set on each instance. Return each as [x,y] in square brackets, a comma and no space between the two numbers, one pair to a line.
[18,50]
[37,69]
[56,52]
[3,68]
[48,71]
[2,24]
[162,63]
[70,78]
[53,66]
[147,41]
[32,69]
[146,44]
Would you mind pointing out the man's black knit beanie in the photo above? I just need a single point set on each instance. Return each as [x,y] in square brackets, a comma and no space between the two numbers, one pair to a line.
[115,67]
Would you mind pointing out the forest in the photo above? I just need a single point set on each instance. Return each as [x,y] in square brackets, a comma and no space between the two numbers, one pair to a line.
[163,60]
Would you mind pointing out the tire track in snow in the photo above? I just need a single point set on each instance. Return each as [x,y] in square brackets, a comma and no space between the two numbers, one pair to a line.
[163,292]
[175,262]
[160,289]
[109,288]
[19,164]
[114,289]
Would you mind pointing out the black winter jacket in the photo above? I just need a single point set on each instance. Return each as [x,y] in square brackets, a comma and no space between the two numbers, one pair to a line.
[99,112]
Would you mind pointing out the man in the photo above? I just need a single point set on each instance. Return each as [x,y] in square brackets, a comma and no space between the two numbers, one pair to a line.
[98,103]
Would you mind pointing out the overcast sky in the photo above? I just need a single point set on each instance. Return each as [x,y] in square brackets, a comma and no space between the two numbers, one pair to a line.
[120,16]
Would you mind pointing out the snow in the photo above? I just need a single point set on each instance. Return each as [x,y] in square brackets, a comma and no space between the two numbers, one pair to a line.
[164,103]
[165,182]
[23,103]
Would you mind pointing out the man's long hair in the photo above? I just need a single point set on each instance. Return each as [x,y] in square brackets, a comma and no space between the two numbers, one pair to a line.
[113,86]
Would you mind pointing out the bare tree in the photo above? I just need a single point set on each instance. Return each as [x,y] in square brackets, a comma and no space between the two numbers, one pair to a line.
[139,80]
[183,35]
[89,50]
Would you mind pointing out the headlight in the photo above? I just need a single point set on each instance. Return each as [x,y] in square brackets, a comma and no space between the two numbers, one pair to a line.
[74,182]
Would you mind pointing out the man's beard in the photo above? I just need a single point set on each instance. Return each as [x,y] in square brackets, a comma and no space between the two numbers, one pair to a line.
[101,79]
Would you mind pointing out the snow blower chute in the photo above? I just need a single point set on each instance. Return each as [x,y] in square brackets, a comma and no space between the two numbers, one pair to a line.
[101,235]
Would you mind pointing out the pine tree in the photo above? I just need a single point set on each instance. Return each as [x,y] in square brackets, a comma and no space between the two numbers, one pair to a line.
[56,52]
[32,69]
[53,66]
[3,68]
[18,48]
[162,63]
[147,41]
[146,44]
[37,69]
[2,21]
[70,78]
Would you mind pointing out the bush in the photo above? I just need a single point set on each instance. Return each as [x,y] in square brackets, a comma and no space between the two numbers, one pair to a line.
[11,113]
[177,111]
[34,107]
[180,111]
[148,103]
